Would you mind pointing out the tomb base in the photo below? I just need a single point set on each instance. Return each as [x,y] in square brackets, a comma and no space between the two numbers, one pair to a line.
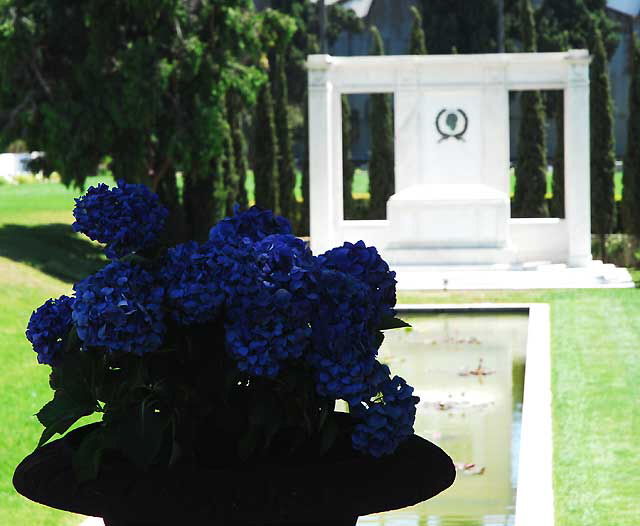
[448,224]
[448,216]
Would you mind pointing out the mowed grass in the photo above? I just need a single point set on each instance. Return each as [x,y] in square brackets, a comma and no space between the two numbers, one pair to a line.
[596,365]
[595,381]
[40,257]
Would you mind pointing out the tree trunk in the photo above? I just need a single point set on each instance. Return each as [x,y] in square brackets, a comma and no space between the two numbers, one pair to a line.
[167,190]
[198,204]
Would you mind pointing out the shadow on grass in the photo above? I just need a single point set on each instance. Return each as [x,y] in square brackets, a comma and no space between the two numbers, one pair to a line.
[54,249]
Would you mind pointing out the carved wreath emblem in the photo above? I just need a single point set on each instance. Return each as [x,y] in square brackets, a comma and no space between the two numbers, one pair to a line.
[452,123]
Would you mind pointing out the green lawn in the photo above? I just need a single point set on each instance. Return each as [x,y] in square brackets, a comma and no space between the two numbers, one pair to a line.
[40,257]
[596,366]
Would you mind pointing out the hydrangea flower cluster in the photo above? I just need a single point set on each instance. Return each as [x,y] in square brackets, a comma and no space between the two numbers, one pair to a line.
[365,264]
[48,325]
[120,308]
[126,218]
[254,224]
[387,421]
[343,352]
[268,321]
[279,306]
[192,281]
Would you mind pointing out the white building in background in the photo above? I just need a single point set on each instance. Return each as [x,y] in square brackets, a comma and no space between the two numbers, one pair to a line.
[15,164]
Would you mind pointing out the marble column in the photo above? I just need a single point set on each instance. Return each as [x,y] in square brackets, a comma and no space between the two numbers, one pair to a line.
[325,156]
[577,158]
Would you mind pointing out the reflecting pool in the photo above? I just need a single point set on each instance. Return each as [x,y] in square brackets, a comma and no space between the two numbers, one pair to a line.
[468,370]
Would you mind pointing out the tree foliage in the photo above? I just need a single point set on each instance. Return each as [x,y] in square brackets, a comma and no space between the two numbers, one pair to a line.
[347,165]
[631,176]
[550,37]
[531,167]
[602,147]
[573,18]
[381,161]
[237,118]
[278,29]
[452,23]
[265,167]
[417,41]
[227,190]
[143,83]
[305,42]
[557,200]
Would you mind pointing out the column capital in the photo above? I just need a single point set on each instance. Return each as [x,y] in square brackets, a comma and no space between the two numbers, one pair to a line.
[577,61]
[319,62]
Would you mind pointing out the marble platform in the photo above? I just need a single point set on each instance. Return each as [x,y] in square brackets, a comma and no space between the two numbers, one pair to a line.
[532,275]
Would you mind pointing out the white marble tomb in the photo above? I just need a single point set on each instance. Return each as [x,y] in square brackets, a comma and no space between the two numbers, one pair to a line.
[451,202]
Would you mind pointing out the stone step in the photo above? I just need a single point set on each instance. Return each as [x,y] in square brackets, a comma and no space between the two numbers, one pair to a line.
[549,275]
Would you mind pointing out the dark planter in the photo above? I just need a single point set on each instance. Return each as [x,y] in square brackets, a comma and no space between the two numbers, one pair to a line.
[332,492]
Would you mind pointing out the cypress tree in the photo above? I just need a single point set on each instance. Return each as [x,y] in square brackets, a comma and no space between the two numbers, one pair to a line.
[552,38]
[302,228]
[236,118]
[602,154]
[227,165]
[557,201]
[286,170]
[631,175]
[575,18]
[347,165]
[417,42]
[531,167]
[265,168]
[469,26]
[381,162]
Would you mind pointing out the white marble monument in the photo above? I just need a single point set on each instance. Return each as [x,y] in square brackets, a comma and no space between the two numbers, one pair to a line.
[451,202]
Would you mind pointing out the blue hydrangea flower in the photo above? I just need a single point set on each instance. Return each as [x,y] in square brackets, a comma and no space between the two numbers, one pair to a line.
[192,283]
[344,345]
[364,263]
[254,224]
[271,305]
[387,420]
[126,218]
[344,379]
[120,308]
[47,327]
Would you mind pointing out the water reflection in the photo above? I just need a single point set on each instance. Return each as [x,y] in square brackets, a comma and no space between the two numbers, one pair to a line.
[468,371]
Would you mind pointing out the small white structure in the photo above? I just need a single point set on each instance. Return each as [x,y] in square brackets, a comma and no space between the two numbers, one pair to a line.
[451,204]
[14,164]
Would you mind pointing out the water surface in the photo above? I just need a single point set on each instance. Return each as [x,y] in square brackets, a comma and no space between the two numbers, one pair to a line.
[468,370]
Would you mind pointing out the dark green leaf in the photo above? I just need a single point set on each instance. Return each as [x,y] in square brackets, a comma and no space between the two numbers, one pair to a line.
[60,426]
[329,434]
[392,323]
[139,433]
[61,413]
[71,341]
[86,459]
